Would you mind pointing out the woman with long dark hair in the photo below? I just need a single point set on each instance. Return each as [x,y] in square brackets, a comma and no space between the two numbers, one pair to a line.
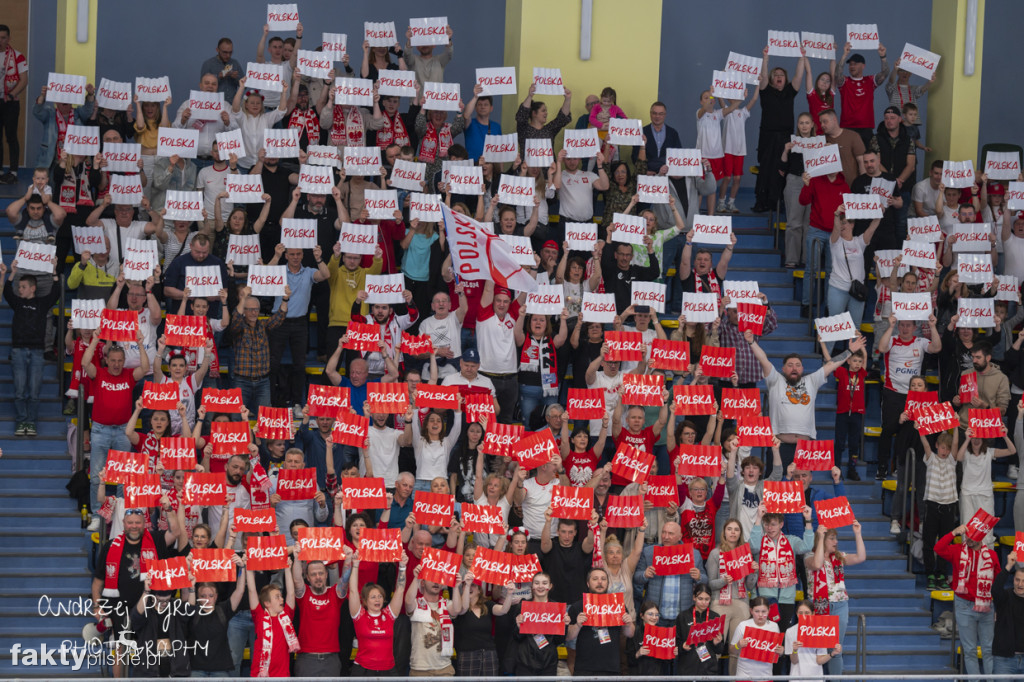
[462,463]
[698,659]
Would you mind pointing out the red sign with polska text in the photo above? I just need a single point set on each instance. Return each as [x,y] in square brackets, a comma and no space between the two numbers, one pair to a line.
[294,485]
[570,502]
[783,497]
[266,553]
[161,396]
[693,399]
[673,560]
[433,509]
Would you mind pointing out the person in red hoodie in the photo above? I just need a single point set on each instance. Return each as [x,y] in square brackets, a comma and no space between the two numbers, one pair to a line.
[697,514]
[974,570]
[824,194]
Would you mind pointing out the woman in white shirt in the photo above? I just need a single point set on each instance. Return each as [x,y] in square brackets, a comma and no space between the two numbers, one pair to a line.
[431,447]
[253,120]
[749,669]
[807,661]
[847,266]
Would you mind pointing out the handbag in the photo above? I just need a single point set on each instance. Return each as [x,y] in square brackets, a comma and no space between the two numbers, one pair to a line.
[858,291]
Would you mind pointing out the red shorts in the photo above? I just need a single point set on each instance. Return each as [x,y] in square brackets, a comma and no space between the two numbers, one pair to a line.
[717,167]
[733,166]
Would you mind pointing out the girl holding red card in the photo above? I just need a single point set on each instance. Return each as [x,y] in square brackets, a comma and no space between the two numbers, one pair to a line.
[825,572]
[730,596]
[273,614]
[698,659]
[976,486]
[640,660]
[747,668]
[807,661]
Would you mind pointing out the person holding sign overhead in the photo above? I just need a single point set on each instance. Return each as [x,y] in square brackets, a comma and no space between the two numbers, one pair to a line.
[857,92]
[532,118]
[777,96]
[826,584]
[846,291]
[775,554]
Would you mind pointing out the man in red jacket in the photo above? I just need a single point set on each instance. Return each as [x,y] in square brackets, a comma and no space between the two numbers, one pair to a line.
[974,570]
[824,194]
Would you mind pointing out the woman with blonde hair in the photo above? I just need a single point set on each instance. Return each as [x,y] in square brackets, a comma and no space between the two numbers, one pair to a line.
[825,574]
[729,597]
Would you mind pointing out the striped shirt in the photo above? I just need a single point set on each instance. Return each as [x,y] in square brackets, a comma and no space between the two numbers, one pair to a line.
[940,483]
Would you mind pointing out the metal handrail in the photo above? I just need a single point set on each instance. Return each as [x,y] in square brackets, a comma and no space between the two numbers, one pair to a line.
[952,648]
[80,431]
[860,665]
[818,253]
[61,307]
[912,494]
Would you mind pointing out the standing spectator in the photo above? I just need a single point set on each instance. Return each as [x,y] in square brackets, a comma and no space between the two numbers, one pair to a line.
[657,138]
[974,572]
[276,47]
[566,560]
[251,369]
[433,633]
[421,59]
[903,356]
[748,668]
[729,336]
[253,119]
[824,194]
[374,620]
[172,173]
[698,659]
[926,193]
[319,609]
[597,648]
[620,272]
[851,145]
[849,408]
[900,91]
[288,511]
[899,158]
[347,279]
[857,92]
[796,213]
[197,256]
[273,611]
[672,594]
[15,80]
[846,289]
[227,69]
[735,145]
[55,119]
[1009,603]
[792,395]
[207,129]
[892,226]
[576,187]
[777,97]
[122,227]
[532,118]
[730,596]
[976,455]
[993,386]
[746,487]
[826,570]
[940,503]
[776,555]
[496,345]
[28,332]
[480,124]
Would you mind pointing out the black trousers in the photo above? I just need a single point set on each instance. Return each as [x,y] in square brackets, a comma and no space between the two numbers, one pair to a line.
[9,113]
[892,407]
[288,383]
[770,182]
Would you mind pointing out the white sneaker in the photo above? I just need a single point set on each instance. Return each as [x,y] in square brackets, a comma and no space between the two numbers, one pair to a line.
[720,207]
[730,206]
[297,411]
[1011,472]
[894,527]
[94,523]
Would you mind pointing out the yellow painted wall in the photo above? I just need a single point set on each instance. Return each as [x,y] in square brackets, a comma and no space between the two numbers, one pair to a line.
[546,33]
[954,103]
[72,56]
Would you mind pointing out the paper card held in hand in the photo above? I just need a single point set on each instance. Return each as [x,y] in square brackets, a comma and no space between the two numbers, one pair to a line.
[428,31]
[520,248]
[684,163]
[1009,290]
[266,76]
[65,88]
[920,62]
[425,207]
[628,229]
[973,238]
[203,280]
[243,249]
[153,89]
[975,313]
[114,95]
[174,142]
[712,229]
[86,312]
[727,85]
[863,206]
[784,43]
[298,233]
[313,64]
[470,180]
[1015,196]
[836,327]
[186,206]
[581,144]
[958,174]
[548,82]
[91,239]
[281,144]
[283,17]
[746,69]
[205,106]
[516,190]
[911,306]
[231,143]
[650,294]
[396,83]
[361,239]
[267,280]
[35,258]
[700,307]
[362,161]
[316,180]
[408,175]
[334,46]
[741,291]
[501,148]
[974,268]
[653,189]
[581,236]
[82,140]
[499,80]
[862,36]
[380,33]
[539,153]
[121,158]
[598,307]
[353,92]
[818,45]
[818,162]
[918,254]
[926,229]
[1002,165]
[441,97]
[627,131]
[549,299]
[385,288]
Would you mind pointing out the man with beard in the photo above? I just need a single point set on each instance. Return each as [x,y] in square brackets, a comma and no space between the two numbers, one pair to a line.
[237,495]
[288,511]
[288,387]
[198,256]
[391,327]
[890,233]
[903,357]
[433,634]
[121,227]
[319,609]
[303,116]
[597,648]
[117,582]
[993,386]
[791,395]
[898,156]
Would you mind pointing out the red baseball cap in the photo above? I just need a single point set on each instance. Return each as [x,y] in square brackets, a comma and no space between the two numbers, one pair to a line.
[502,290]
[996,188]
[550,244]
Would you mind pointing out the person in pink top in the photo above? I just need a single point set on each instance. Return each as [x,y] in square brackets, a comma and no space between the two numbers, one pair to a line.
[606,110]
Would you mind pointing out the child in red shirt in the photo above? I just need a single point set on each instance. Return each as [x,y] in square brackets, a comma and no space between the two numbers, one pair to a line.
[849,408]
[578,460]
[75,346]
[697,514]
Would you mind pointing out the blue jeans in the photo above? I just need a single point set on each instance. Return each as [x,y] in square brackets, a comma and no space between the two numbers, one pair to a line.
[254,393]
[1006,665]
[422,484]
[975,629]
[840,301]
[841,609]
[27,366]
[104,437]
[530,398]
[240,634]
[812,235]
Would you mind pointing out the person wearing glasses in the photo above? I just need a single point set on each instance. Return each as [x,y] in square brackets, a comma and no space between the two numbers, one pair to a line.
[251,369]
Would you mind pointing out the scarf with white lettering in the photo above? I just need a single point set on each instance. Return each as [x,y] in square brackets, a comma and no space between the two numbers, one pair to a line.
[259,479]
[597,559]
[776,564]
[976,562]
[725,594]
[62,130]
[435,143]
[540,357]
[308,120]
[113,567]
[393,132]
[11,75]
[832,568]
[262,663]
[347,127]
[713,286]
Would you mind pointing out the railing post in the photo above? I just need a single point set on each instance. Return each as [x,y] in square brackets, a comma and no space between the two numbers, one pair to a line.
[911,493]
[60,340]
[80,431]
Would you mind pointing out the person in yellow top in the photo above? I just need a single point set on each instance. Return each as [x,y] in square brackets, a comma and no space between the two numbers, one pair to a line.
[347,279]
[95,274]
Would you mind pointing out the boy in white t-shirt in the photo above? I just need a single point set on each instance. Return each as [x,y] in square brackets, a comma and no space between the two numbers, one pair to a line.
[735,150]
[709,138]
[940,499]
[976,486]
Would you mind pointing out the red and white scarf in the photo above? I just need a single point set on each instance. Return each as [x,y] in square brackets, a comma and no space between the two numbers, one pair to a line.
[713,286]
[776,564]
[308,120]
[597,558]
[347,127]
[978,563]
[435,143]
[832,572]
[393,132]
[11,75]
[62,129]
[114,562]
[262,663]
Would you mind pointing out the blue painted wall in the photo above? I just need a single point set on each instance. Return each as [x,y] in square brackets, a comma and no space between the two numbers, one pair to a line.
[696,42]
[41,58]
[1001,99]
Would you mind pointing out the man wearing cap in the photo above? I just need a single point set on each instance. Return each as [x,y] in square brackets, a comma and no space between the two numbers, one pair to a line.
[497,347]
[890,233]
[444,328]
[899,157]
[858,91]
[469,373]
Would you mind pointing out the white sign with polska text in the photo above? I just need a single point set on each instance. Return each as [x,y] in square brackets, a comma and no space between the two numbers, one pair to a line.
[862,36]
[836,327]
[498,80]
[911,306]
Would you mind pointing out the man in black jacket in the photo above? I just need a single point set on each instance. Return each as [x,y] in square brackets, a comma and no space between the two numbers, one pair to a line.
[28,334]
[898,157]
[619,272]
[1008,643]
